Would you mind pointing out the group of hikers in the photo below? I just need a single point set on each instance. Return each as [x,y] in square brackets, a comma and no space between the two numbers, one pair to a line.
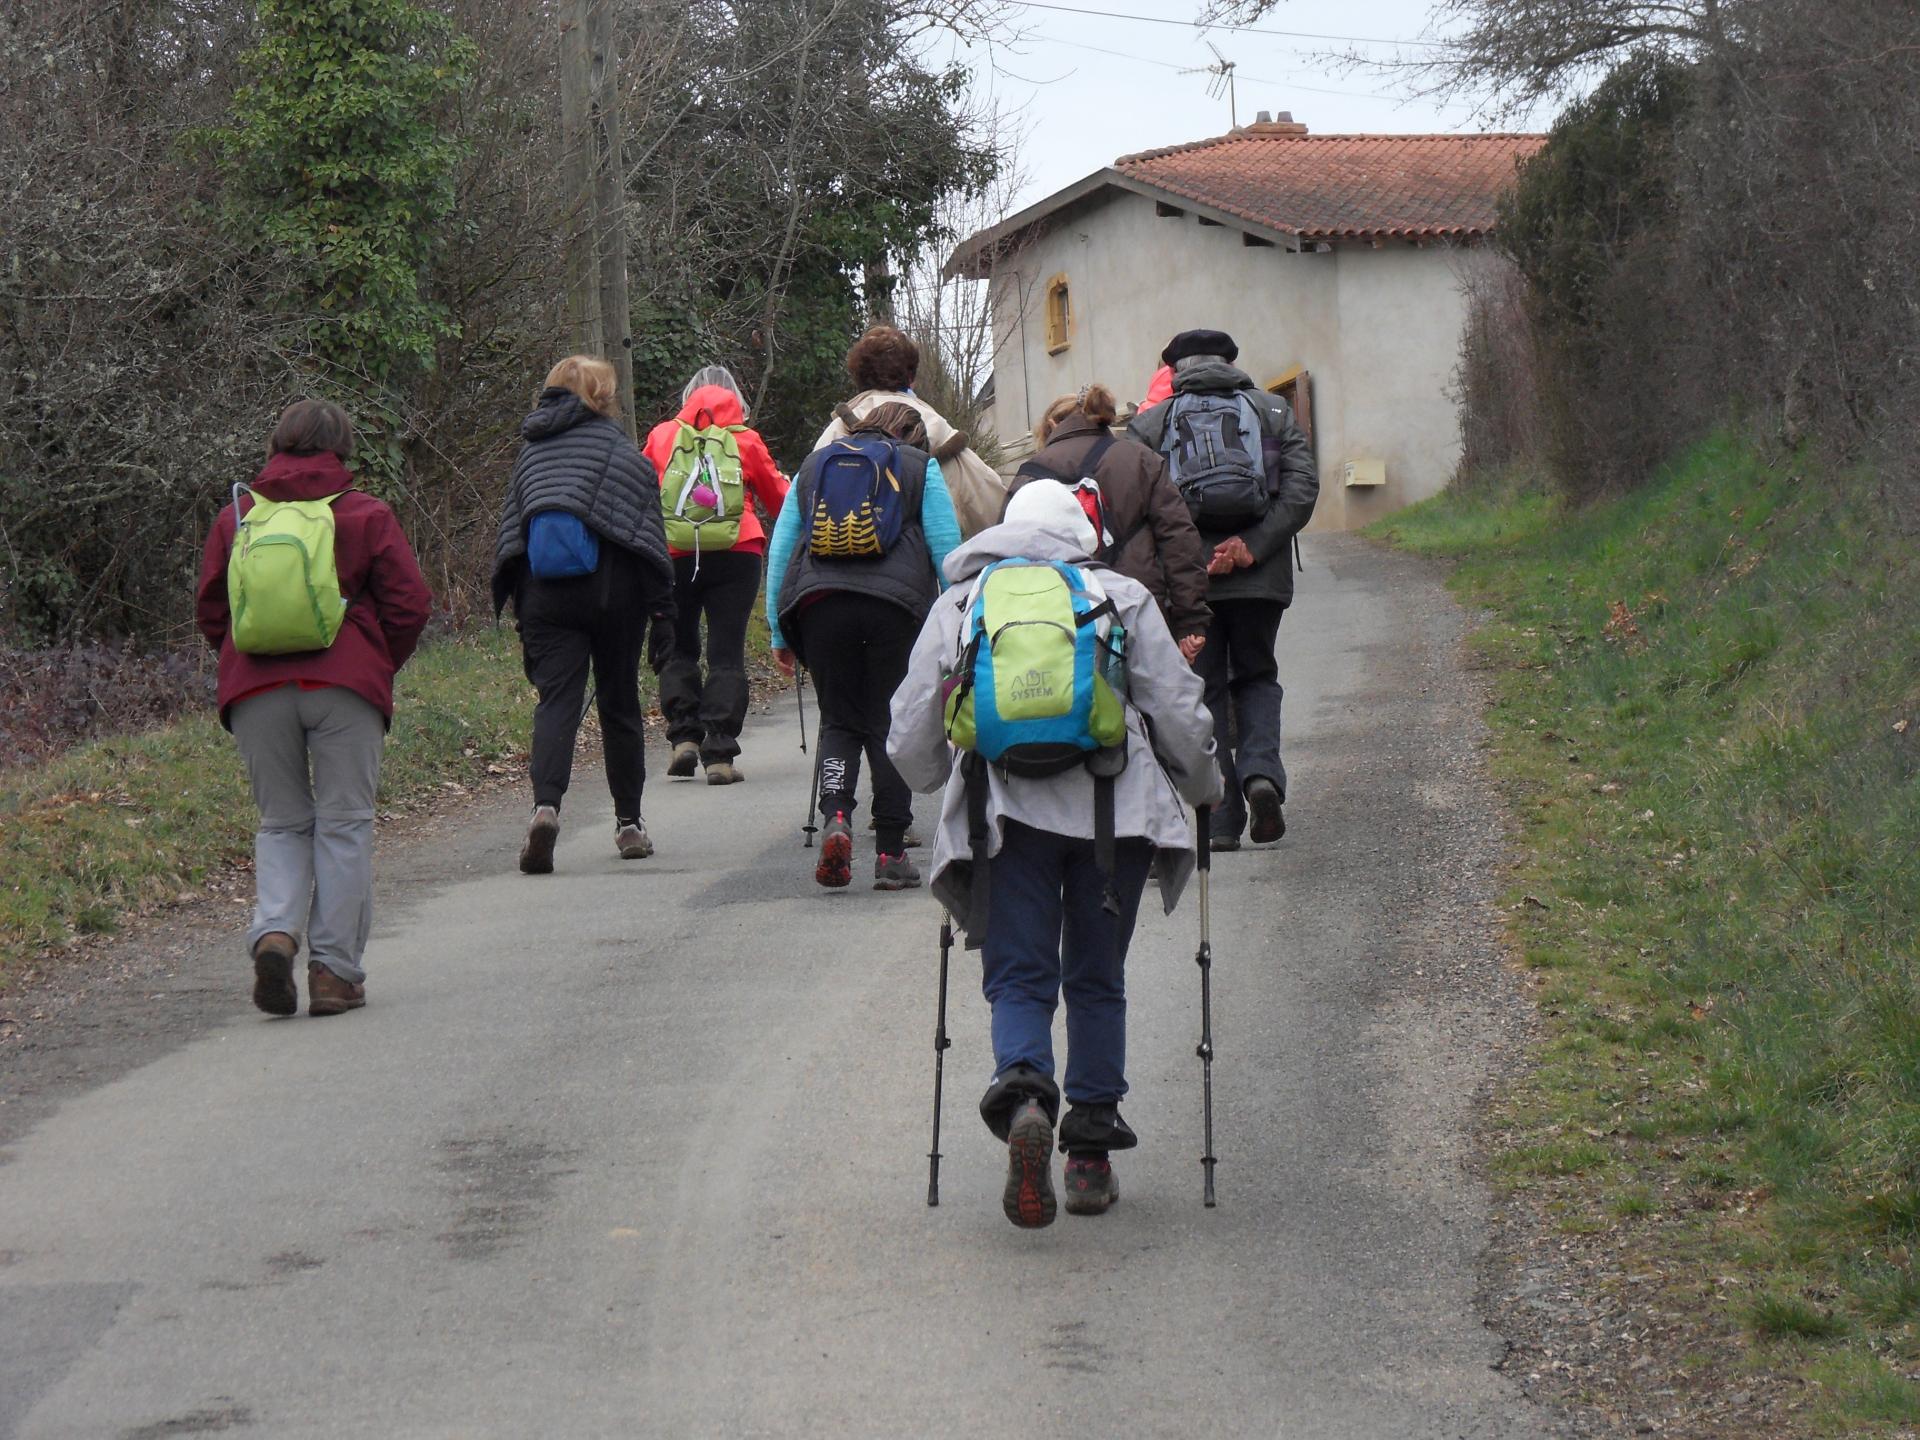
[1072,657]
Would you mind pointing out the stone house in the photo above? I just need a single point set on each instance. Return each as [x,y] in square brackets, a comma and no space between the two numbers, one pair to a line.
[1335,261]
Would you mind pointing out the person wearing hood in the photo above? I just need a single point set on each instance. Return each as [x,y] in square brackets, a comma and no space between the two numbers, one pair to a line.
[582,552]
[851,622]
[884,362]
[312,724]
[717,582]
[1251,585]
[1149,533]
[1054,921]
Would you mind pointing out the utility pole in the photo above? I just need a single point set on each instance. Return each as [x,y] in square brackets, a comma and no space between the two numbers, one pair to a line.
[598,314]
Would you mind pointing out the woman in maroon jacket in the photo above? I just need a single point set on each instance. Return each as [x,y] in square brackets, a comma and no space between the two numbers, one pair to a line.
[311,726]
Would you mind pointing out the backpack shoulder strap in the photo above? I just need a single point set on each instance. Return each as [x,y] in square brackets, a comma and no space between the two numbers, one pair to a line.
[843,412]
[951,447]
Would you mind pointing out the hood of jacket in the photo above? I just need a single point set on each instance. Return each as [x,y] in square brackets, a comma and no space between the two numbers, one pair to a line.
[718,401]
[1211,377]
[287,476]
[1017,540]
[558,409]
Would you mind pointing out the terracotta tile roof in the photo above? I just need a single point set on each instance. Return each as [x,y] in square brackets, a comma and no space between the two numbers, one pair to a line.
[1327,187]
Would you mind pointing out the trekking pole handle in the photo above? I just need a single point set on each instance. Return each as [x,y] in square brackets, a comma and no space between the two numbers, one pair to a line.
[1203,822]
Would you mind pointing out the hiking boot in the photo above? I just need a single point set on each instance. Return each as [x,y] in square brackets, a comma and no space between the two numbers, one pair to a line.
[686,760]
[1090,1186]
[895,872]
[722,772]
[630,839]
[328,994]
[1269,820]
[835,870]
[273,989]
[1217,843]
[1028,1198]
[536,856]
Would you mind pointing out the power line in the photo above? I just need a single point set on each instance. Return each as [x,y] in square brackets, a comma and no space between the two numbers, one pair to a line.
[1240,29]
[1250,79]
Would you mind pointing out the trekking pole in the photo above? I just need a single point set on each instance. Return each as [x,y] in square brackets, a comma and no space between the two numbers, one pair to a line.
[800,704]
[811,825]
[940,1044]
[1204,958]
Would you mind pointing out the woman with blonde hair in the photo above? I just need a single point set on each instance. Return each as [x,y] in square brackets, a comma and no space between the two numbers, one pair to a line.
[582,552]
[1145,530]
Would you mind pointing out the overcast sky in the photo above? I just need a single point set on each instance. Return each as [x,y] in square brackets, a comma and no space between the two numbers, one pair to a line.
[1087,88]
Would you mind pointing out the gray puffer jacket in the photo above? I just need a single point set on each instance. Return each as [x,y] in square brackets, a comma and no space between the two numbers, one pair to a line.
[579,461]
[1167,770]
[1290,470]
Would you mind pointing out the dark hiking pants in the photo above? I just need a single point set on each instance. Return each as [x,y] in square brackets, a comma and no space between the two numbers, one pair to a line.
[856,649]
[1048,931]
[1243,692]
[709,712]
[567,627]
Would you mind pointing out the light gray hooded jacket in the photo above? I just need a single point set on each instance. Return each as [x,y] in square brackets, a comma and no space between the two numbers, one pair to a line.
[1148,794]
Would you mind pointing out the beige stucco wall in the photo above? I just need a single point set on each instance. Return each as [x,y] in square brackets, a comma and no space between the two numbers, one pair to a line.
[1376,329]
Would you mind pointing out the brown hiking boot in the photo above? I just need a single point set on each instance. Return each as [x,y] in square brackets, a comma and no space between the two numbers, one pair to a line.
[273,989]
[686,760]
[328,994]
[723,772]
[543,830]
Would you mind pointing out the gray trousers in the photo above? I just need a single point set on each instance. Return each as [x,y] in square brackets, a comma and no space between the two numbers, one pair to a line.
[313,757]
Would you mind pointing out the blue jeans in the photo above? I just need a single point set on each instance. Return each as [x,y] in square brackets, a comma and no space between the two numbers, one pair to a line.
[1047,928]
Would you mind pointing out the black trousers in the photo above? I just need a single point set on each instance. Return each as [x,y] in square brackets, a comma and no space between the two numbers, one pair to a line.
[857,648]
[1242,677]
[567,626]
[710,712]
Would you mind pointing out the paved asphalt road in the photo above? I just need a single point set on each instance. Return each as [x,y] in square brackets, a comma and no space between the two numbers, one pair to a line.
[638,1149]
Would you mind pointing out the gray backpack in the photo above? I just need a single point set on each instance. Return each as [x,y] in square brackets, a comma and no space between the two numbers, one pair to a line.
[1216,460]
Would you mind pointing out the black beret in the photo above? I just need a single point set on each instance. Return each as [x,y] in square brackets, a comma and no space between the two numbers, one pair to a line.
[1200,342]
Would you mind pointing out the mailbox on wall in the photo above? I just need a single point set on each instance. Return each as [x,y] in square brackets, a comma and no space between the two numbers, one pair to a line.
[1364,473]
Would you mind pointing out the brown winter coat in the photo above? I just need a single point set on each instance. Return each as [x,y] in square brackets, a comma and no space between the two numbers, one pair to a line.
[1161,549]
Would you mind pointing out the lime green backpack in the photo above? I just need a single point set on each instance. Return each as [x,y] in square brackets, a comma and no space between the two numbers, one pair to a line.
[703,492]
[283,588]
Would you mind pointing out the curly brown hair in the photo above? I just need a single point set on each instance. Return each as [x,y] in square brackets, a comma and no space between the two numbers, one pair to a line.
[883,359]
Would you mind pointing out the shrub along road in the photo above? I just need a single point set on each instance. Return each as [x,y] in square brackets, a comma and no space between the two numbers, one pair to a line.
[639,1148]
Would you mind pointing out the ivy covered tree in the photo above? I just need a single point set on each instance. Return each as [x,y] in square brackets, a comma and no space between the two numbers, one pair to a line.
[340,162]
[794,154]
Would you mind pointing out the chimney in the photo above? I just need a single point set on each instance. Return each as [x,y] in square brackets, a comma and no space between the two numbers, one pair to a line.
[1267,123]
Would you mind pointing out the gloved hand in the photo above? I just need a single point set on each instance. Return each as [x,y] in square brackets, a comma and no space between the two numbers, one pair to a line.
[1230,554]
[660,642]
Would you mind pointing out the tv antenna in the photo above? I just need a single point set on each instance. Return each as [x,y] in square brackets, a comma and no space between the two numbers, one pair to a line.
[1221,84]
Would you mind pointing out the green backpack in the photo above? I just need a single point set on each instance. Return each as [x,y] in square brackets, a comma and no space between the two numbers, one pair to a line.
[283,588]
[702,492]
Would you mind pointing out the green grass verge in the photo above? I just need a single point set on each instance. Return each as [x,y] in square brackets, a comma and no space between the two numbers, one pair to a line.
[123,825]
[1707,719]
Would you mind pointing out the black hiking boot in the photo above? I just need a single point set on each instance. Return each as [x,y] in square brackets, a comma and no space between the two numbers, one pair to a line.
[1269,820]
[686,760]
[895,872]
[1090,1186]
[1028,1199]
[835,870]
[1218,843]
